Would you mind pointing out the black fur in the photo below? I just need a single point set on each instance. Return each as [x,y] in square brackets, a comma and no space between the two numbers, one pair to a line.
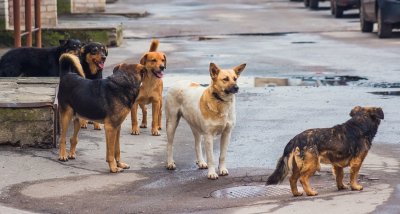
[337,143]
[36,62]
[93,48]
[82,94]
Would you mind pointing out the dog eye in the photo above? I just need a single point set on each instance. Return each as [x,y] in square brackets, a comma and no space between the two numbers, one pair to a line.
[234,79]
[226,79]
[154,60]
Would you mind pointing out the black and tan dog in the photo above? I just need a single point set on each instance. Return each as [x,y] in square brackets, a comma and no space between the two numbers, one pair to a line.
[36,62]
[92,57]
[150,90]
[113,98]
[341,146]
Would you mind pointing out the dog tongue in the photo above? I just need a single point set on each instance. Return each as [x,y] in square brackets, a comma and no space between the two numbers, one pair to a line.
[101,65]
[160,74]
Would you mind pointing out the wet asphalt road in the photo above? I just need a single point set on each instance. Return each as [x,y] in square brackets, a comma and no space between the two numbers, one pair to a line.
[275,39]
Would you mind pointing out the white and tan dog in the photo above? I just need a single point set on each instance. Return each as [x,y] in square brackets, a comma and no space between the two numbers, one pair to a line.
[209,112]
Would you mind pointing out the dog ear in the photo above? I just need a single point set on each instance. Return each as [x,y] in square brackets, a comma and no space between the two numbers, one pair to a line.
[116,68]
[143,59]
[355,110]
[62,42]
[106,50]
[165,61]
[238,69]
[378,113]
[214,70]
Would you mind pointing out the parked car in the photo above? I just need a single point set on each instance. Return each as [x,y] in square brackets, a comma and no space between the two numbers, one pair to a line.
[386,13]
[339,6]
[313,4]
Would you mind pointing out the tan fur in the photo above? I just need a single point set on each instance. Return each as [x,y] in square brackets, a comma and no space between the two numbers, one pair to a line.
[150,91]
[209,112]
[302,168]
[76,62]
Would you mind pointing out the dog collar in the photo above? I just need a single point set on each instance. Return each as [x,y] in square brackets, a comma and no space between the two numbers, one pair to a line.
[217,97]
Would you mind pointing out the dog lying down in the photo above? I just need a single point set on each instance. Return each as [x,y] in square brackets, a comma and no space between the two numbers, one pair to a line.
[341,146]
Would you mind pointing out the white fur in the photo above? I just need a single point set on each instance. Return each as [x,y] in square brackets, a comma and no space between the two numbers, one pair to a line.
[183,100]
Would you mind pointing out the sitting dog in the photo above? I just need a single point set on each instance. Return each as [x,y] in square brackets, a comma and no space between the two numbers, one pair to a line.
[36,62]
[113,98]
[150,90]
[209,112]
[342,146]
[92,58]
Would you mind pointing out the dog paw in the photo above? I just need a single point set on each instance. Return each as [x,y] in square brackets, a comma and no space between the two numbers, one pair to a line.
[342,187]
[297,194]
[84,124]
[171,166]
[202,164]
[212,176]
[97,126]
[116,170]
[155,132]
[71,156]
[223,172]
[63,158]
[135,132]
[123,165]
[356,187]
[312,193]
[143,126]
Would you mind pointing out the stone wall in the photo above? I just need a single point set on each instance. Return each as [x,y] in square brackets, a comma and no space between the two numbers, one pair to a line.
[3,14]
[48,13]
[28,114]
[33,127]
[88,6]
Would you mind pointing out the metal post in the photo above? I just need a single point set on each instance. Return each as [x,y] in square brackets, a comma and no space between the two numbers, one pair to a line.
[28,22]
[17,24]
[38,24]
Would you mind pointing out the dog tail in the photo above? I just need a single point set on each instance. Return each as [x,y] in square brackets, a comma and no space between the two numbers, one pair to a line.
[154,45]
[70,63]
[284,164]
[280,172]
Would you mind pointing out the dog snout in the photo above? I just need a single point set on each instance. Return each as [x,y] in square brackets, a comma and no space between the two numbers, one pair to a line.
[232,90]
[162,67]
[235,88]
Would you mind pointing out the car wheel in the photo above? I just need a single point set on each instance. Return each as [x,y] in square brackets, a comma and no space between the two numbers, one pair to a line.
[306,3]
[366,26]
[314,4]
[338,11]
[384,29]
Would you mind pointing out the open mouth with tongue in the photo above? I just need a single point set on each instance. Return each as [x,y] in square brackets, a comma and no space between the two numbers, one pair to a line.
[99,64]
[158,74]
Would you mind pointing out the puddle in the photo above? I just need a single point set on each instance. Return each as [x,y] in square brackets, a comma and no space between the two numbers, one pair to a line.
[386,93]
[308,81]
[262,34]
[384,85]
[304,42]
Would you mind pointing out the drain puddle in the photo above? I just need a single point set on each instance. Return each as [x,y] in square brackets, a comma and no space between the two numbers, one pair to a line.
[308,81]
[386,93]
[251,191]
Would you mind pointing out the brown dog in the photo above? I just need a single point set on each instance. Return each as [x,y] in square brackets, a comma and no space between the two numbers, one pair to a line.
[341,146]
[150,90]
